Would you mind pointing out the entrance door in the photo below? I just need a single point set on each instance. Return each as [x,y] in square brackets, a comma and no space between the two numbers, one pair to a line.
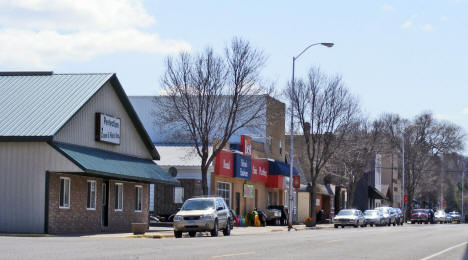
[238,203]
[105,204]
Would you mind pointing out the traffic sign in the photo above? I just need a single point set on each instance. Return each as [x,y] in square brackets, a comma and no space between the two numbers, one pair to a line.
[406,198]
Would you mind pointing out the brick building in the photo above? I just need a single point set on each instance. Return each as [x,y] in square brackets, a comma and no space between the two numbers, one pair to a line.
[267,145]
[74,157]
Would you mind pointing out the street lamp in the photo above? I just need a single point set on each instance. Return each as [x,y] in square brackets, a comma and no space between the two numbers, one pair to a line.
[291,152]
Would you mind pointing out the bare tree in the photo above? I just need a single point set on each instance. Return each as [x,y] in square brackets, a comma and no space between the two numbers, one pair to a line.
[357,152]
[209,97]
[325,110]
[425,140]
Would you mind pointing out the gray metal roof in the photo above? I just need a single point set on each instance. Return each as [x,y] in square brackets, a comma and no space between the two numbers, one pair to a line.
[38,105]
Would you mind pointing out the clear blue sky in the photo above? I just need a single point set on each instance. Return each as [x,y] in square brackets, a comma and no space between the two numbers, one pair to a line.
[396,56]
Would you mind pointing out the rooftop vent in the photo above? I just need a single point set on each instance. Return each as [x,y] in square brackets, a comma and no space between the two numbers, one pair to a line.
[26,73]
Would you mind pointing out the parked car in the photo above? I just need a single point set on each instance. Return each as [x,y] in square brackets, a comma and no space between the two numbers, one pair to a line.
[456,216]
[284,214]
[399,216]
[273,216]
[449,218]
[202,214]
[419,216]
[374,217]
[349,217]
[388,214]
[440,217]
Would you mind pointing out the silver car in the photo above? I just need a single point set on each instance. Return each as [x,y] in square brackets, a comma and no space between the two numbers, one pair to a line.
[374,217]
[389,215]
[440,217]
[349,217]
[203,214]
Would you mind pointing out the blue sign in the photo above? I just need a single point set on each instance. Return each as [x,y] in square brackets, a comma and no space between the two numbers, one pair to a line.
[242,166]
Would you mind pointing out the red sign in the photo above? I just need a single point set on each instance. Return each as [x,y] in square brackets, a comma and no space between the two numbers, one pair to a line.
[296,181]
[443,203]
[406,198]
[259,170]
[224,163]
[246,145]
[275,181]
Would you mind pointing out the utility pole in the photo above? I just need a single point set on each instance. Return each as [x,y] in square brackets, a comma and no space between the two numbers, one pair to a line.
[403,208]
[442,182]
[462,197]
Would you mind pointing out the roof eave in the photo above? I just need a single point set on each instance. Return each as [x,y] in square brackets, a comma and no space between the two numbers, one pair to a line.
[25,138]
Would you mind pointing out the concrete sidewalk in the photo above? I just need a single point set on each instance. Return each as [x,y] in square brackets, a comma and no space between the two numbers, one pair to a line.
[166,232]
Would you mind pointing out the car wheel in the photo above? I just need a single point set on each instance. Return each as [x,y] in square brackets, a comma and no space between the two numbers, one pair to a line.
[356,225]
[336,226]
[177,234]
[227,231]
[412,222]
[214,232]
[192,233]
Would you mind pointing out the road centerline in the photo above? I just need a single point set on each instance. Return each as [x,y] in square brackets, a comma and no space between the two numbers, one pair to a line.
[235,254]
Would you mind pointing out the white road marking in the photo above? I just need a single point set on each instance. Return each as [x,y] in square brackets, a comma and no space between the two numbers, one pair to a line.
[444,251]
[333,241]
[237,254]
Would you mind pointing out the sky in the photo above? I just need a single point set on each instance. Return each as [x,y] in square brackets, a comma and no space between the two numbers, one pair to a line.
[402,57]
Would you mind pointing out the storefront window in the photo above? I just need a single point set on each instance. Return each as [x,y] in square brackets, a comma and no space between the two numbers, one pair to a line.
[224,191]
[91,196]
[118,197]
[64,193]
[178,194]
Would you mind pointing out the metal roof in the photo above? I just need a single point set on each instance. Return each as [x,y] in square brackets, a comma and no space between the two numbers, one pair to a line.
[38,105]
[98,162]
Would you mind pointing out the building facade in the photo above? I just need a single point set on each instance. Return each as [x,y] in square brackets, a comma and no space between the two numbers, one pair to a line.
[74,157]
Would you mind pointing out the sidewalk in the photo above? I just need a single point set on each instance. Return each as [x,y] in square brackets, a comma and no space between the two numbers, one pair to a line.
[167,232]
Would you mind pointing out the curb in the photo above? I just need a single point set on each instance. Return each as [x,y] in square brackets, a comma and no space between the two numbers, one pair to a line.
[26,235]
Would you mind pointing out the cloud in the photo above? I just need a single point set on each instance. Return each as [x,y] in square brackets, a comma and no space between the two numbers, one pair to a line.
[44,33]
[447,117]
[387,8]
[406,25]
[464,111]
[443,18]
[427,27]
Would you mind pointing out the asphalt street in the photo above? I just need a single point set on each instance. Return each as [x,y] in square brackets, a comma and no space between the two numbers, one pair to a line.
[407,242]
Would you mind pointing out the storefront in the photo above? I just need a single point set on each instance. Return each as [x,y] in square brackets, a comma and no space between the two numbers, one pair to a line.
[74,157]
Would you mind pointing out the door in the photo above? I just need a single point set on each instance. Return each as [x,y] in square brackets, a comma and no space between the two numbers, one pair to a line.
[238,203]
[222,213]
[105,204]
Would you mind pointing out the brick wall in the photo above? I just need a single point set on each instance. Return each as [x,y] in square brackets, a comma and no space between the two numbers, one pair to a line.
[78,219]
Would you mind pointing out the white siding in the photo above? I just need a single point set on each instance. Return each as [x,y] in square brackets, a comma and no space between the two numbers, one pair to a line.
[22,183]
[80,129]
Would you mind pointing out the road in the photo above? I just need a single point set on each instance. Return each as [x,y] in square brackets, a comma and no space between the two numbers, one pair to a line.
[407,242]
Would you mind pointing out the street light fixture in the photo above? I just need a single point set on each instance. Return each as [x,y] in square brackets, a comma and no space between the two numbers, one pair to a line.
[291,147]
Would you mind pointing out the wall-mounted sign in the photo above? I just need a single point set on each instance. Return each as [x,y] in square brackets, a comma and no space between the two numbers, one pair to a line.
[246,145]
[317,202]
[249,191]
[107,128]
[297,181]
[259,170]
[242,166]
[224,164]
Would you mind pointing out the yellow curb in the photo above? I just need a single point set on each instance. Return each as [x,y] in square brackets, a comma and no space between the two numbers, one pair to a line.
[27,235]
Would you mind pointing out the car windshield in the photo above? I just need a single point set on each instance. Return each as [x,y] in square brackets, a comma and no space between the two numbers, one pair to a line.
[346,213]
[198,205]
[370,212]
[439,213]
[419,211]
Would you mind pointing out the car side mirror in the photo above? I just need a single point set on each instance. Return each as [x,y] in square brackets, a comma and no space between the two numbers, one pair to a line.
[219,208]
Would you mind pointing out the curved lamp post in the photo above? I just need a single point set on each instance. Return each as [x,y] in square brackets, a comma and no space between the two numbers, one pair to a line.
[291,147]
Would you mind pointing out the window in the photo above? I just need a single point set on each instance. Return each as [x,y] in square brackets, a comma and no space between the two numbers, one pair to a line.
[91,198]
[64,193]
[224,191]
[138,196]
[118,197]
[178,194]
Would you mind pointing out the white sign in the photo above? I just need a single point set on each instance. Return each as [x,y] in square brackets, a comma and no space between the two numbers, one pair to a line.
[108,129]
[317,202]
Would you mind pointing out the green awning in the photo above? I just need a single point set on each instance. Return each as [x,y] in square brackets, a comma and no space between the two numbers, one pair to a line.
[109,164]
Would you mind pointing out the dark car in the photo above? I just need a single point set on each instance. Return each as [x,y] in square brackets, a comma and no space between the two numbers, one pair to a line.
[284,213]
[456,216]
[419,216]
